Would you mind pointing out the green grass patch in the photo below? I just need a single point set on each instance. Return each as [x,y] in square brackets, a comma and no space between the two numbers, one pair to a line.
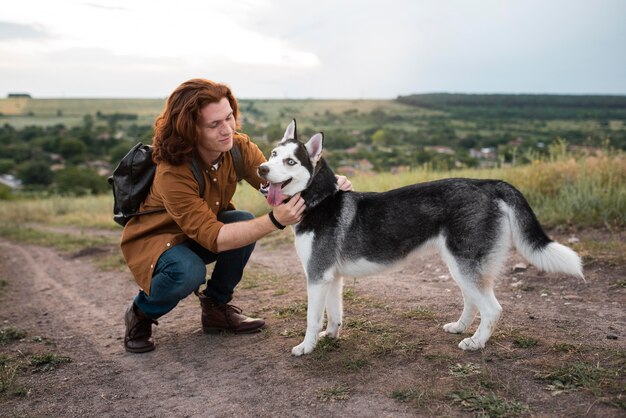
[420,312]
[113,262]
[487,405]
[525,342]
[393,342]
[78,212]
[47,362]
[566,348]
[413,395]
[10,334]
[362,324]
[339,392]
[573,376]
[325,346]
[63,242]
[585,192]
[255,277]
[9,372]
[295,310]
[353,364]
[464,370]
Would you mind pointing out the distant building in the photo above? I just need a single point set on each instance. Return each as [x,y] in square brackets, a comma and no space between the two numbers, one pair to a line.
[19,96]
[440,149]
[11,181]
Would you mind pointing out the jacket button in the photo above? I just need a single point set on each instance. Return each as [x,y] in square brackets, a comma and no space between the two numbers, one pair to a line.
[217,203]
[151,266]
[168,244]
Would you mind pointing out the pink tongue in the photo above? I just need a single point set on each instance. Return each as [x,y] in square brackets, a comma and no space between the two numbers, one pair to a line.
[274,194]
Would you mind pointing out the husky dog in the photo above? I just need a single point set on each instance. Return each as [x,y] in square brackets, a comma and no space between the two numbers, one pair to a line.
[472,224]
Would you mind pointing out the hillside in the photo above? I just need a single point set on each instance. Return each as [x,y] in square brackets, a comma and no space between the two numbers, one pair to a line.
[441,131]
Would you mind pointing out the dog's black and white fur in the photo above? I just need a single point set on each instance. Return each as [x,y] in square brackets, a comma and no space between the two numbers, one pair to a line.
[472,223]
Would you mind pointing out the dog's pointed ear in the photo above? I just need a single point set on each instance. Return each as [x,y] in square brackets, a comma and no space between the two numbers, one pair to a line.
[314,147]
[290,132]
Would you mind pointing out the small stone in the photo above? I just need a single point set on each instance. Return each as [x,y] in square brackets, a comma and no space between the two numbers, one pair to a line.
[573,240]
[611,337]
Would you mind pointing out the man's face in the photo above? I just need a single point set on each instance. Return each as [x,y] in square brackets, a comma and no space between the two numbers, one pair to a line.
[217,126]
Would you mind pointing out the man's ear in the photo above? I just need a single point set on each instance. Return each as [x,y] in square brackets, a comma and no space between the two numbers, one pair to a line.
[314,147]
[290,132]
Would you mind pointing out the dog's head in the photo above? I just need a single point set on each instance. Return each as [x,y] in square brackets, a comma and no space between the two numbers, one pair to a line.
[290,166]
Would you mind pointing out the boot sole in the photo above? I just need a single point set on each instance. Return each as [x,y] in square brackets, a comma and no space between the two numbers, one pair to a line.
[230,331]
[139,350]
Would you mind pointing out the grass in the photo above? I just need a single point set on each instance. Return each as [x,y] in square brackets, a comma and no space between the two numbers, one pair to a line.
[9,372]
[10,334]
[525,342]
[338,392]
[61,241]
[325,346]
[11,368]
[574,375]
[582,192]
[586,192]
[414,395]
[47,362]
[464,370]
[487,405]
[420,312]
[296,309]
[562,190]
[78,212]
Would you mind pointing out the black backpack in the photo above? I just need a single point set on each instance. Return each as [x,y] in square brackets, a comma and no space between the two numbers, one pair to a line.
[133,176]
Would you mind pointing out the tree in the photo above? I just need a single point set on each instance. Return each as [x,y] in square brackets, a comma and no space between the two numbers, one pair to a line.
[35,173]
[72,149]
[80,181]
[379,138]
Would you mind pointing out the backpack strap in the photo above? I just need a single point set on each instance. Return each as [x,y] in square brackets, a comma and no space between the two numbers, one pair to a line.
[197,173]
[235,152]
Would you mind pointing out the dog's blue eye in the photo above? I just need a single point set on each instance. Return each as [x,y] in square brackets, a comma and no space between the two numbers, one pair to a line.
[291,162]
[273,154]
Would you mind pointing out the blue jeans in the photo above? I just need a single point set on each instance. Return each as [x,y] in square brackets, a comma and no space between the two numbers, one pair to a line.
[182,270]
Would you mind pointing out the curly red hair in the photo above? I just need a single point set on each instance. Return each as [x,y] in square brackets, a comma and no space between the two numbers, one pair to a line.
[176,130]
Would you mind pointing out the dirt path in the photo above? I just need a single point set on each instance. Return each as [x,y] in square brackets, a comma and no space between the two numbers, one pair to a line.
[393,359]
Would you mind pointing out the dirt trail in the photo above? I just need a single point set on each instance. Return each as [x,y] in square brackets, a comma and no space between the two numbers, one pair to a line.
[68,306]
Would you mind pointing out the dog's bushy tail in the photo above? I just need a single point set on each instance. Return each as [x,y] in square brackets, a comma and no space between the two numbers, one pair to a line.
[530,239]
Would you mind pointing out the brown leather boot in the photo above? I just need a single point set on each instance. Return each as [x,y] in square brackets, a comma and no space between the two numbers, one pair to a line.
[217,318]
[138,331]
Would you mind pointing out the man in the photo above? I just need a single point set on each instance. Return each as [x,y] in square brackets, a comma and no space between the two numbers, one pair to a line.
[167,252]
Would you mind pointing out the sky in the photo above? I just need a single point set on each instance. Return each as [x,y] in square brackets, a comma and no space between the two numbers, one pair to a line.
[320,49]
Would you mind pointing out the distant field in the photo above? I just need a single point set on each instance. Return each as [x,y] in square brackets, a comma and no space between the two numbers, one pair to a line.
[78,107]
[21,112]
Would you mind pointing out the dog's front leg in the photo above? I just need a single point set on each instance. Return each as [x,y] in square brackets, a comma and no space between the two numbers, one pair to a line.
[334,308]
[316,293]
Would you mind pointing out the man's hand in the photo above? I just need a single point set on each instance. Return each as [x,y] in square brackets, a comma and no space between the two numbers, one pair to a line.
[290,213]
[343,183]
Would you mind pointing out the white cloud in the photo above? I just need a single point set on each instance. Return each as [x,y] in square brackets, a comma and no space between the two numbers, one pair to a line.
[278,48]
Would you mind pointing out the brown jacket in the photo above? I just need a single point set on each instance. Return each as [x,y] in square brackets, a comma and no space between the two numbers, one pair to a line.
[187,214]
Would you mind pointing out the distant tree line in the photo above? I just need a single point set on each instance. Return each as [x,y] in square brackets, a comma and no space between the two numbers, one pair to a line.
[534,106]
[454,131]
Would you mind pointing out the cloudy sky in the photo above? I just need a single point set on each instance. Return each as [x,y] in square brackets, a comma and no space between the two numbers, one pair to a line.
[312,49]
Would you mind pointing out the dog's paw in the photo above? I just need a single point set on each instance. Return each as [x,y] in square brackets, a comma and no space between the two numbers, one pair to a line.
[455,328]
[302,349]
[329,333]
[471,344]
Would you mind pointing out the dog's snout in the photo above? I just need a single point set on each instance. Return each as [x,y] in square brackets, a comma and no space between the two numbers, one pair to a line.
[263,170]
